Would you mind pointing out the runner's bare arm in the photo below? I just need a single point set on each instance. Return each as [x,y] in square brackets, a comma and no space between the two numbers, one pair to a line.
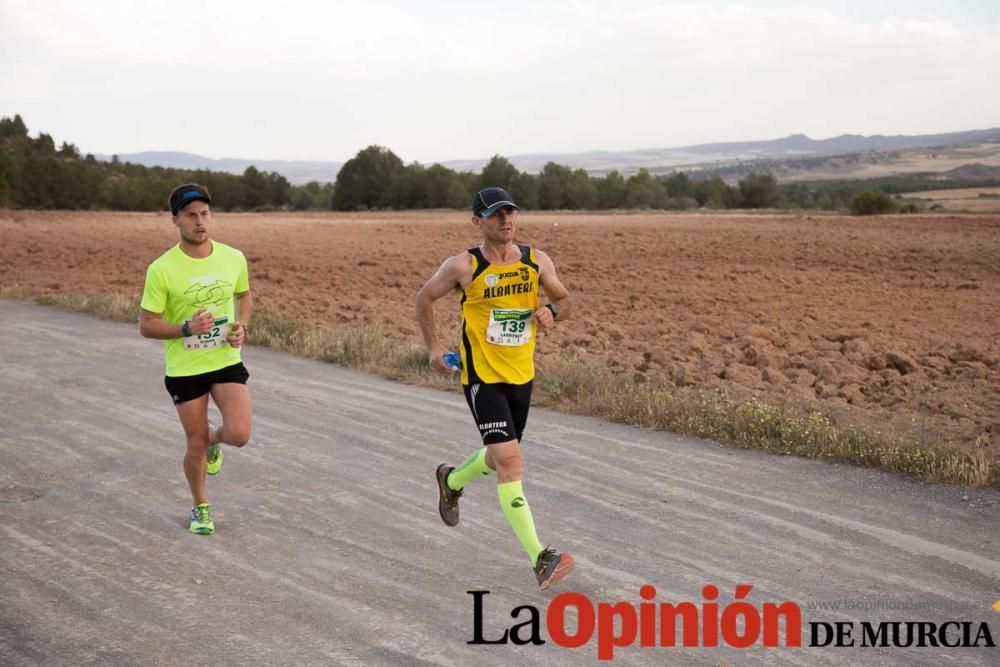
[554,289]
[454,273]
[152,325]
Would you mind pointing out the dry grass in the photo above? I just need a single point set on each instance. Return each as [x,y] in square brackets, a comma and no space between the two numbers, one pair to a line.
[366,350]
[12,292]
[572,384]
[115,307]
[754,424]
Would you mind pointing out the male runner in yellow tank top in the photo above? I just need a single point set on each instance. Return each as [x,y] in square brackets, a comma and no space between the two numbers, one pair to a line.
[188,303]
[497,283]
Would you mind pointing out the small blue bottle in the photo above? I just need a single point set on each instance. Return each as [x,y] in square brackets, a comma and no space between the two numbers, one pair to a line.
[453,360]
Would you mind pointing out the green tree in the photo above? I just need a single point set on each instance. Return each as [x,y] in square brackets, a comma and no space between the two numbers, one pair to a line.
[279,190]
[254,188]
[412,188]
[524,190]
[369,180]
[45,144]
[679,185]
[872,202]
[759,190]
[612,191]
[69,150]
[715,193]
[644,191]
[445,188]
[13,127]
[498,172]
[4,190]
[311,197]
[581,191]
[554,187]
[301,200]
[36,186]
[229,191]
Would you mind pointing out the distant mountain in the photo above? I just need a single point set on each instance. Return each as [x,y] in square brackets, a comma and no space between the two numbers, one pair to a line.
[974,171]
[697,157]
[702,156]
[799,144]
[296,171]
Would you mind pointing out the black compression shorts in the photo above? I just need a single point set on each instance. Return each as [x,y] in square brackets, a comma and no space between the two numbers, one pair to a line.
[190,387]
[500,410]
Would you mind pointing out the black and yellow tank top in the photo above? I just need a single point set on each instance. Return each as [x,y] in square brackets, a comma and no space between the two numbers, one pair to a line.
[498,320]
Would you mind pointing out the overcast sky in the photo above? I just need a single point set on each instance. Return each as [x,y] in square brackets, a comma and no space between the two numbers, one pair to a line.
[452,79]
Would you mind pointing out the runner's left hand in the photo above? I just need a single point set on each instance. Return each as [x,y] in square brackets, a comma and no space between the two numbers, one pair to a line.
[237,334]
[544,318]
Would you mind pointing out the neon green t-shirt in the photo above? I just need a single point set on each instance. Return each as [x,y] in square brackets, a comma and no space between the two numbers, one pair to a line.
[178,285]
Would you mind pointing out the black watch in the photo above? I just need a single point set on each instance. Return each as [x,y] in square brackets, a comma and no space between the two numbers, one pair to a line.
[554,308]
[186,328]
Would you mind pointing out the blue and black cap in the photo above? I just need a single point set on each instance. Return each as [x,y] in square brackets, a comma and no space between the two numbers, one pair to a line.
[187,193]
[489,200]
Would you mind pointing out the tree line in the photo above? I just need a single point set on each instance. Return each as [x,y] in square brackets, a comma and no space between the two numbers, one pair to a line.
[34,173]
[376,178]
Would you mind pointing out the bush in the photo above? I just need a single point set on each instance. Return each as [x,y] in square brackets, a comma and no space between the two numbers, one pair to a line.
[872,203]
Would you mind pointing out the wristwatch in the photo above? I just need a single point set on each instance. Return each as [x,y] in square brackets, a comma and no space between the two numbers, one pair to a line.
[554,308]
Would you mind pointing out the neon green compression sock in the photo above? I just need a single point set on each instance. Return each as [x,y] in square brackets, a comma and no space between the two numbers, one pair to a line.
[516,509]
[472,468]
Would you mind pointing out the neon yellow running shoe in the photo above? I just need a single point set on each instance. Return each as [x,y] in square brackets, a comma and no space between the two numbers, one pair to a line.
[214,458]
[201,520]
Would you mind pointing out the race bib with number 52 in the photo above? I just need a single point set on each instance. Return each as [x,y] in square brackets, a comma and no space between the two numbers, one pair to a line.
[509,327]
[215,337]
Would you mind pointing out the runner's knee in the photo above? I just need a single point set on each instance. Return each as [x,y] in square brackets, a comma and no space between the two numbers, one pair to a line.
[506,460]
[198,443]
[237,436]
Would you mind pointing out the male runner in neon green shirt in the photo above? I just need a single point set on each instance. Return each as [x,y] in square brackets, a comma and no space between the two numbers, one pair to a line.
[197,301]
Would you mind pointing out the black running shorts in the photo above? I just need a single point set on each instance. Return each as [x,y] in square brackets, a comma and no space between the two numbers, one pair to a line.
[500,410]
[190,387]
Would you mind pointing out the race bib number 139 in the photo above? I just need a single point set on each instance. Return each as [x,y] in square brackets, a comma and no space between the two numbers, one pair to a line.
[509,327]
[216,337]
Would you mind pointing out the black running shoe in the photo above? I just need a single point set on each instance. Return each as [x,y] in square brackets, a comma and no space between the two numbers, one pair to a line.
[447,498]
[552,567]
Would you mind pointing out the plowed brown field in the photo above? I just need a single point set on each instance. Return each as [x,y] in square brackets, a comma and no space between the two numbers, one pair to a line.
[891,323]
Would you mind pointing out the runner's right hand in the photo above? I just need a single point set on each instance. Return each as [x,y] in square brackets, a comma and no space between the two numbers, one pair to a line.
[202,322]
[436,359]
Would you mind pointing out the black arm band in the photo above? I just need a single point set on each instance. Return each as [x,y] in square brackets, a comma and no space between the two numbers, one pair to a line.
[186,329]
[554,309]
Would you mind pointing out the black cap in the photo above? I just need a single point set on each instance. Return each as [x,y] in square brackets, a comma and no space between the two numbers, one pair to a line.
[187,193]
[489,200]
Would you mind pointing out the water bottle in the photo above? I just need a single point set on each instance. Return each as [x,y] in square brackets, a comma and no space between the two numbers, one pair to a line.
[453,360]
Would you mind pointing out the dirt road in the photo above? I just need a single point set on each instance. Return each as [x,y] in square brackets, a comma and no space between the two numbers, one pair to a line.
[329,550]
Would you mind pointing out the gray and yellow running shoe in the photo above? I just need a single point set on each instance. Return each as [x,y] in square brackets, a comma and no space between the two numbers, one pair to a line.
[447,497]
[552,567]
